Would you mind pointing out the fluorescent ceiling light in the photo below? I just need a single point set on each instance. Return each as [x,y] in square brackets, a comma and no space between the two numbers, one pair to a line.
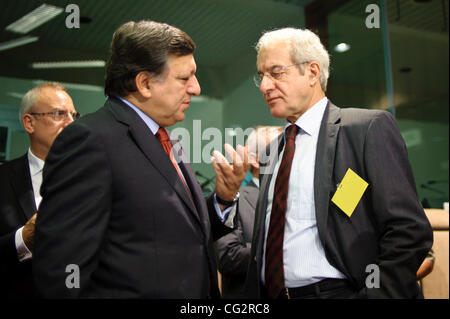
[16,94]
[75,86]
[17,42]
[199,98]
[68,64]
[34,19]
[342,47]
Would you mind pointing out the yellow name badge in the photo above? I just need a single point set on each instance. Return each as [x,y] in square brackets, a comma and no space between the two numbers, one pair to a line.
[349,192]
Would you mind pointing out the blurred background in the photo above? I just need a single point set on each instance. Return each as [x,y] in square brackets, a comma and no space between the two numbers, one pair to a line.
[399,65]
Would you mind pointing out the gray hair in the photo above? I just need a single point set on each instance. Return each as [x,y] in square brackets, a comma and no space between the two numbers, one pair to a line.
[305,47]
[30,98]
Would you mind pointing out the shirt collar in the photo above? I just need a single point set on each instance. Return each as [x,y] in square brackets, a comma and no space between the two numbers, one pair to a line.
[36,164]
[309,122]
[152,125]
[256,181]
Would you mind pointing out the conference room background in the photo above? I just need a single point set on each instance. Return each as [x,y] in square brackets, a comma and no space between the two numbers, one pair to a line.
[391,55]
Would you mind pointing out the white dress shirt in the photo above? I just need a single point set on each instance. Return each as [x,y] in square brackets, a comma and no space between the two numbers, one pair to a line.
[303,254]
[36,165]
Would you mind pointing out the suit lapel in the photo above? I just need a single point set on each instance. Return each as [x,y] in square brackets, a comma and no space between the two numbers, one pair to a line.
[21,183]
[267,165]
[195,189]
[323,179]
[189,176]
[150,146]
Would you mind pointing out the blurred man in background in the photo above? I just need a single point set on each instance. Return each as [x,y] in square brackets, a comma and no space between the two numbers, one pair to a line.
[45,111]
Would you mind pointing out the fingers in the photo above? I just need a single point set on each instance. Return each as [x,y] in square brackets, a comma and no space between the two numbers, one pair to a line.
[240,159]
[28,232]
[231,153]
[219,158]
[243,154]
[241,165]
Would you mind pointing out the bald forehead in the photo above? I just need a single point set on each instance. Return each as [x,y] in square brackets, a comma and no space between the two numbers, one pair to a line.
[51,93]
[54,98]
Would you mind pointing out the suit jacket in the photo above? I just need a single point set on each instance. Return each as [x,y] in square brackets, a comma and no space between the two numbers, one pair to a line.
[233,249]
[114,206]
[17,206]
[388,227]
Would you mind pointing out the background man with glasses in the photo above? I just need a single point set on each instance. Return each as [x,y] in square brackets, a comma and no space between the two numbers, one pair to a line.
[322,231]
[45,111]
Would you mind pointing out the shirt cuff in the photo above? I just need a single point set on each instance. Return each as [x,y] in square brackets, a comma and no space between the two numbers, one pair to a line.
[225,216]
[22,251]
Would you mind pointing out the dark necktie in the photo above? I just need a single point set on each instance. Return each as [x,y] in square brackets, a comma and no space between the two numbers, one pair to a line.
[164,139]
[274,270]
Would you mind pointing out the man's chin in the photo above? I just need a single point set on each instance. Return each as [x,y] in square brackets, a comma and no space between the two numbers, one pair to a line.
[178,118]
[277,113]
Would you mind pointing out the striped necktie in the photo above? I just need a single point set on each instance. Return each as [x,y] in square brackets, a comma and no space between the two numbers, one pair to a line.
[274,270]
[164,139]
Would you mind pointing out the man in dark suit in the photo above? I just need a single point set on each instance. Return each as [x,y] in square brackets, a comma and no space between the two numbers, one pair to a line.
[123,215]
[45,111]
[233,249]
[305,244]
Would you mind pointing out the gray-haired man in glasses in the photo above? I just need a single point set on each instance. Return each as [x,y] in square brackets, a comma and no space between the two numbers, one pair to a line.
[307,241]
[45,111]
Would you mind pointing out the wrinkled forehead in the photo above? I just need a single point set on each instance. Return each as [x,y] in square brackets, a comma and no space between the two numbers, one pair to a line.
[274,54]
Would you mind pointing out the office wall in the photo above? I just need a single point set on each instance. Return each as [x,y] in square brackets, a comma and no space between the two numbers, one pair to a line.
[427,145]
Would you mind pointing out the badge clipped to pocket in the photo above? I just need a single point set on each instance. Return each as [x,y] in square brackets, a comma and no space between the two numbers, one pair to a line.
[349,192]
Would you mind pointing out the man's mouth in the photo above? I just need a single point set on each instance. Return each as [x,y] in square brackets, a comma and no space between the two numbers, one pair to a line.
[271,100]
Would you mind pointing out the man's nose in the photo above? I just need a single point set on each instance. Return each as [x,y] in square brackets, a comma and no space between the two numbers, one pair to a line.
[266,84]
[69,119]
[194,86]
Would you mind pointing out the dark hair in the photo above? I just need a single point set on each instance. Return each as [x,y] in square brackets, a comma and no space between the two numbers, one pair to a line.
[142,46]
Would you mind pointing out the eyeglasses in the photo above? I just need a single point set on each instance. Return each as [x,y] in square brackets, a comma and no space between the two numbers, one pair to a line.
[59,115]
[277,73]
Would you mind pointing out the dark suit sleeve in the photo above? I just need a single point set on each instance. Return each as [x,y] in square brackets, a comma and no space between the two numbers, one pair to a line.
[218,228]
[233,252]
[74,213]
[405,233]
[8,212]
[8,253]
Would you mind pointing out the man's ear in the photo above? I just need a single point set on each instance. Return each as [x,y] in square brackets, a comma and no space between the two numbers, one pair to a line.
[314,75]
[143,84]
[28,123]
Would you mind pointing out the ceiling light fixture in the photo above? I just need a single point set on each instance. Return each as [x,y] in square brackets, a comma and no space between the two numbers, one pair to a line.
[16,95]
[17,42]
[75,86]
[34,19]
[68,64]
[342,47]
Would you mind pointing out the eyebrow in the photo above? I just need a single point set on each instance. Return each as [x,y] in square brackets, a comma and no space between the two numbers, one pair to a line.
[271,68]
